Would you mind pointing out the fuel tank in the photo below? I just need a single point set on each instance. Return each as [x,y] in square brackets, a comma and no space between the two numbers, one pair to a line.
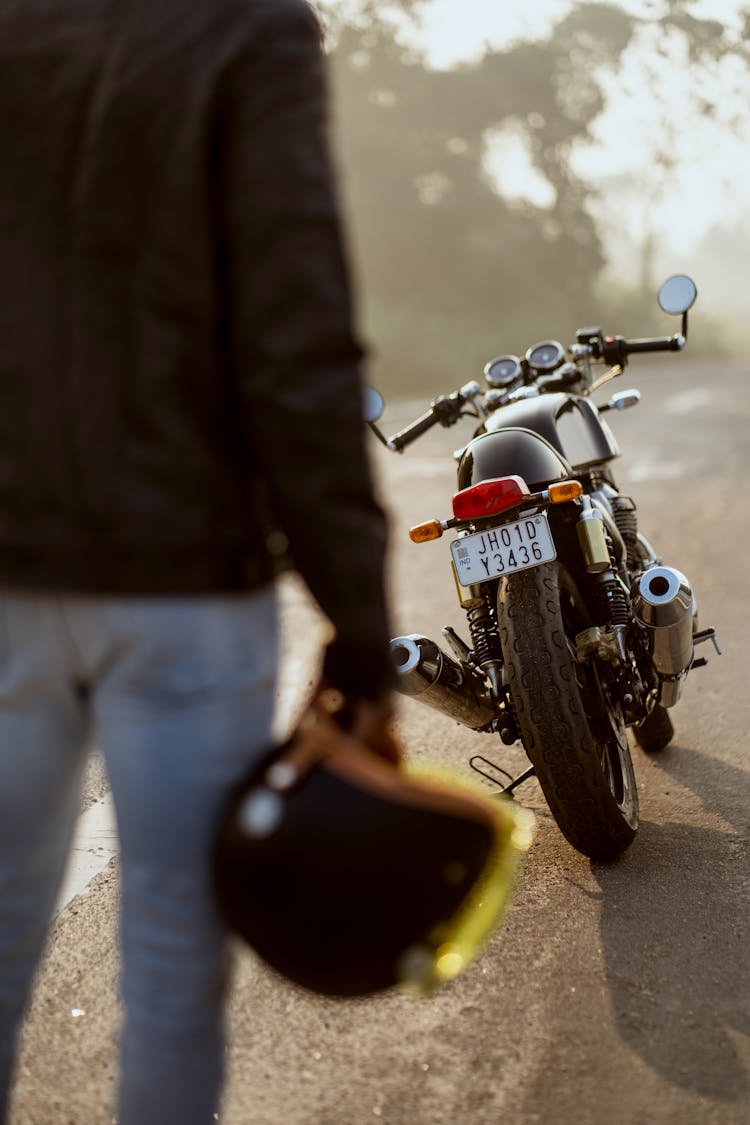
[571,424]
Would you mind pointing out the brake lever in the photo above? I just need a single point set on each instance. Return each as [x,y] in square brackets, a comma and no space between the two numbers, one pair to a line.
[613,373]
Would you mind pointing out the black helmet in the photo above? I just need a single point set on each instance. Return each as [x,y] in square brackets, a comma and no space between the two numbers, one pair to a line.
[349,874]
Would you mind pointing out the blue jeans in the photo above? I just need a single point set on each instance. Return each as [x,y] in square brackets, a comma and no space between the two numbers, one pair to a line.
[178,693]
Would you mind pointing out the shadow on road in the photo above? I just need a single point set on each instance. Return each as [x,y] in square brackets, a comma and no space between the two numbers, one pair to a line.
[677,953]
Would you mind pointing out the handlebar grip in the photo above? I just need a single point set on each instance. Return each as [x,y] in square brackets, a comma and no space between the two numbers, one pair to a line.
[655,344]
[410,433]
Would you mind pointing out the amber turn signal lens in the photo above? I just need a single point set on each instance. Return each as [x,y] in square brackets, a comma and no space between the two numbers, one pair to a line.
[424,532]
[565,490]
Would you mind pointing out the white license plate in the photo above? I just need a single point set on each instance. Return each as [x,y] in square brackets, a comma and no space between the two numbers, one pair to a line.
[503,550]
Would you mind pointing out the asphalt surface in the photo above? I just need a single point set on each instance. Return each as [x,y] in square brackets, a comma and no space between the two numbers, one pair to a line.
[614,994]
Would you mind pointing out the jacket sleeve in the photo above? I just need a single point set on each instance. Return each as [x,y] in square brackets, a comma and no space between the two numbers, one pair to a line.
[291,342]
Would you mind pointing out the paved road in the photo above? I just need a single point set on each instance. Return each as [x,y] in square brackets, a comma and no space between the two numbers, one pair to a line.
[615,994]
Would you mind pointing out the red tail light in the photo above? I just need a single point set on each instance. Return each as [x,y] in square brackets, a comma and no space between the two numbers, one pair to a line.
[489,497]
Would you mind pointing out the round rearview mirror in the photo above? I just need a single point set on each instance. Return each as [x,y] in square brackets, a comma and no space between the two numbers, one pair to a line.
[373,404]
[677,294]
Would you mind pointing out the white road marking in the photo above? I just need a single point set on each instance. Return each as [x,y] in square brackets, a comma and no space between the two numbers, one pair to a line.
[94,845]
[95,841]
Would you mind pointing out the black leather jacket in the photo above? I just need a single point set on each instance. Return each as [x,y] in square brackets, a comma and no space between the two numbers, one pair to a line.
[178,376]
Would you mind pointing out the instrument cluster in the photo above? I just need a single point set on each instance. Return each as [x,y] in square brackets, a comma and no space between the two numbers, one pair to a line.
[541,358]
[503,370]
[545,356]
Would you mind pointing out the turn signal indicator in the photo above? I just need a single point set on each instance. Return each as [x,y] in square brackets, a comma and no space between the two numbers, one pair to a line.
[424,532]
[565,490]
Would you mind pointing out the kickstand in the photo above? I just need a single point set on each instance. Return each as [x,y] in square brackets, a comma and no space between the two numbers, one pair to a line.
[513,782]
[530,772]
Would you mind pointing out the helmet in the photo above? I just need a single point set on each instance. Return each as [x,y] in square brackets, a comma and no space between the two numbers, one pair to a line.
[348,873]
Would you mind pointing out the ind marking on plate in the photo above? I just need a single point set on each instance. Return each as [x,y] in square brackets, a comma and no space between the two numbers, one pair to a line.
[503,550]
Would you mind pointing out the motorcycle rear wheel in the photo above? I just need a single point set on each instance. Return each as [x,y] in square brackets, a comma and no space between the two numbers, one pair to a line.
[573,734]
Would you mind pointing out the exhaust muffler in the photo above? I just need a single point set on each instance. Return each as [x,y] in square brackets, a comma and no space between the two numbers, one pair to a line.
[426,673]
[665,604]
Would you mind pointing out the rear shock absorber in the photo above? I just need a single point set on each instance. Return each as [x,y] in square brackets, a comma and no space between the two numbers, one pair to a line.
[611,600]
[485,639]
[599,557]
[488,656]
[612,613]
[626,519]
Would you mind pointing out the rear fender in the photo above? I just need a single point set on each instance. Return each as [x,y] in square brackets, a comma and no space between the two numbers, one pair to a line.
[512,451]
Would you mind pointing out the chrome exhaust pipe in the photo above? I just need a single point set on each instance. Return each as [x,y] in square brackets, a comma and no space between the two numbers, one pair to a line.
[426,673]
[665,604]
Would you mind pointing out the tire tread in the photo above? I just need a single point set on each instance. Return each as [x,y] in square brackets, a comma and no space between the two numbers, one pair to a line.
[552,718]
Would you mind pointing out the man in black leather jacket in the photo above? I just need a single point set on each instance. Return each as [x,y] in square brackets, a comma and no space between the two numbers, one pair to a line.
[179,409]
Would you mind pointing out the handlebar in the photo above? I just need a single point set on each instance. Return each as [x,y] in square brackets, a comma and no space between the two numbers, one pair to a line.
[655,344]
[445,409]
[616,349]
[410,433]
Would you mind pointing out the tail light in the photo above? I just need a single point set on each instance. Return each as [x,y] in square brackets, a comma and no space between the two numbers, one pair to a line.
[489,497]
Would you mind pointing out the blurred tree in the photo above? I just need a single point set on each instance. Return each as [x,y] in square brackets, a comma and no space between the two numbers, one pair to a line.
[674,43]
[450,271]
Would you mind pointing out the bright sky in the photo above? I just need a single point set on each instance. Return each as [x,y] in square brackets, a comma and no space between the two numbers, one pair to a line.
[649,102]
[458,30]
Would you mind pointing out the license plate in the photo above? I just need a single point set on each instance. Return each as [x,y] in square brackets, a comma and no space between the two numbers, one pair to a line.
[503,550]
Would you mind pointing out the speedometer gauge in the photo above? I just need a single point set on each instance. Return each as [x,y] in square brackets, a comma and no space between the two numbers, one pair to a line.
[503,370]
[545,356]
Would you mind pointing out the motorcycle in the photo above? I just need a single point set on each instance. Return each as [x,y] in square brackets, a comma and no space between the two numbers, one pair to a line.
[577,630]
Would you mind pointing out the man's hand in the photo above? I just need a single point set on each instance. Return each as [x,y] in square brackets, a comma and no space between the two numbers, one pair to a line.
[371,723]
[368,720]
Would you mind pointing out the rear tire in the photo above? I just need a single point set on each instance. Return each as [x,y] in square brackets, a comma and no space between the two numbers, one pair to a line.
[573,734]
